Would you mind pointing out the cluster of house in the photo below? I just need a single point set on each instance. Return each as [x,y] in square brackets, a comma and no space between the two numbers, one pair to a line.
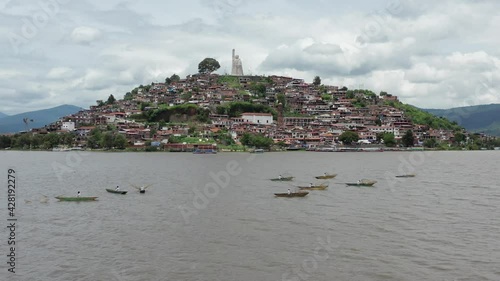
[323,113]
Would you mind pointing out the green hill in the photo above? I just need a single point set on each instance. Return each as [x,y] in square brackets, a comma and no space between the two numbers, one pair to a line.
[480,118]
[423,117]
[14,123]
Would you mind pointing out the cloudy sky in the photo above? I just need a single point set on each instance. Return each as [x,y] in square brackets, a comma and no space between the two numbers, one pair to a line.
[433,54]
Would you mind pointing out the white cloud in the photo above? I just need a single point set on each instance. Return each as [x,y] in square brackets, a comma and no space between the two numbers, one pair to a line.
[85,35]
[60,73]
[430,53]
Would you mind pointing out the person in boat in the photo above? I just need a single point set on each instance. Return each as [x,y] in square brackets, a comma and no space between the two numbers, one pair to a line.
[310,185]
[142,188]
[326,174]
[78,194]
[289,192]
[117,188]
[280,177]
[359,181]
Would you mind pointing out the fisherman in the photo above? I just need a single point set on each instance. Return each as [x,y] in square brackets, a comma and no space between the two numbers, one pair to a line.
[325,174]
[117,188]
[78,195]
[359,181]
[289,192]
[310,185]
[142,188]
[280,177]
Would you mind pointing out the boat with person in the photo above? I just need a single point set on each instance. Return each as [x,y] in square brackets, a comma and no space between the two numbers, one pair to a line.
[76,198]
[363,182]
[283,179]
[116,191]
[326,176]
[292,194]
[142,188]
[314,187]
[406,176]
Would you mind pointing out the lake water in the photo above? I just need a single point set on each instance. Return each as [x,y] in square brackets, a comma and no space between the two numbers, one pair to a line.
[214,217]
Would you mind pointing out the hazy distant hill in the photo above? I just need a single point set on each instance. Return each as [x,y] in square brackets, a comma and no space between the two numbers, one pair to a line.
[2,115]
[14,123]
[480,118]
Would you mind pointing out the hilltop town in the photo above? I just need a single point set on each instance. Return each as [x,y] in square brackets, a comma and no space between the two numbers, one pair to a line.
[229,111]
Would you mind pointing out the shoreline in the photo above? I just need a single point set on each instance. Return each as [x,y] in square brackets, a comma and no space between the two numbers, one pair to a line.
[343,150]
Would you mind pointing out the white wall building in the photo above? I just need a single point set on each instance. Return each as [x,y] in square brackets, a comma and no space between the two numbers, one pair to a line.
[258,118]
[68,126]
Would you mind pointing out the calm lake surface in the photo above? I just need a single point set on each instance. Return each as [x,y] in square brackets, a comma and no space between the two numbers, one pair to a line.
[443,224]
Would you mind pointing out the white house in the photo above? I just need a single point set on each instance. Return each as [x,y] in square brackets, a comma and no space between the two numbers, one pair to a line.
[68,126]
[258,118]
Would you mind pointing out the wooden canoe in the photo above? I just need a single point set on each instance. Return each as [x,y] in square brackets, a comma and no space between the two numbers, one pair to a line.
[314,187]
[116,191]
[63,198]
[325,177]
[293,194]
[283,179]
[406,176]
[361,184]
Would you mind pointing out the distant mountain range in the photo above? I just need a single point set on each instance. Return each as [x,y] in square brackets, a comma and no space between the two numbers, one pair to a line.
[14,123]
[479,118]
[2,115]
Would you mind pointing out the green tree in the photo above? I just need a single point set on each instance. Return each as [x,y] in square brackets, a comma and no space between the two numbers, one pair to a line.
[378,122]
[119,141]
[107,140]
[258,89]
[317,81]
[191,130]
[383,94]
[208,65]
[379,137]
[326,97]
[23,141]
[430,143]
[175,78]
[408,139]
[171,79]
[94,138]
[256,140]
[111,99]
[5,141]
[389,139]
[348,137]
[52,140]
[128,96]
[246,139]
[67,139]
[224,138]
[460,138]
[281,98]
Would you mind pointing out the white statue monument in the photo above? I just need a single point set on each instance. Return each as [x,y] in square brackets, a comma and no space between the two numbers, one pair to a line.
[237,65]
